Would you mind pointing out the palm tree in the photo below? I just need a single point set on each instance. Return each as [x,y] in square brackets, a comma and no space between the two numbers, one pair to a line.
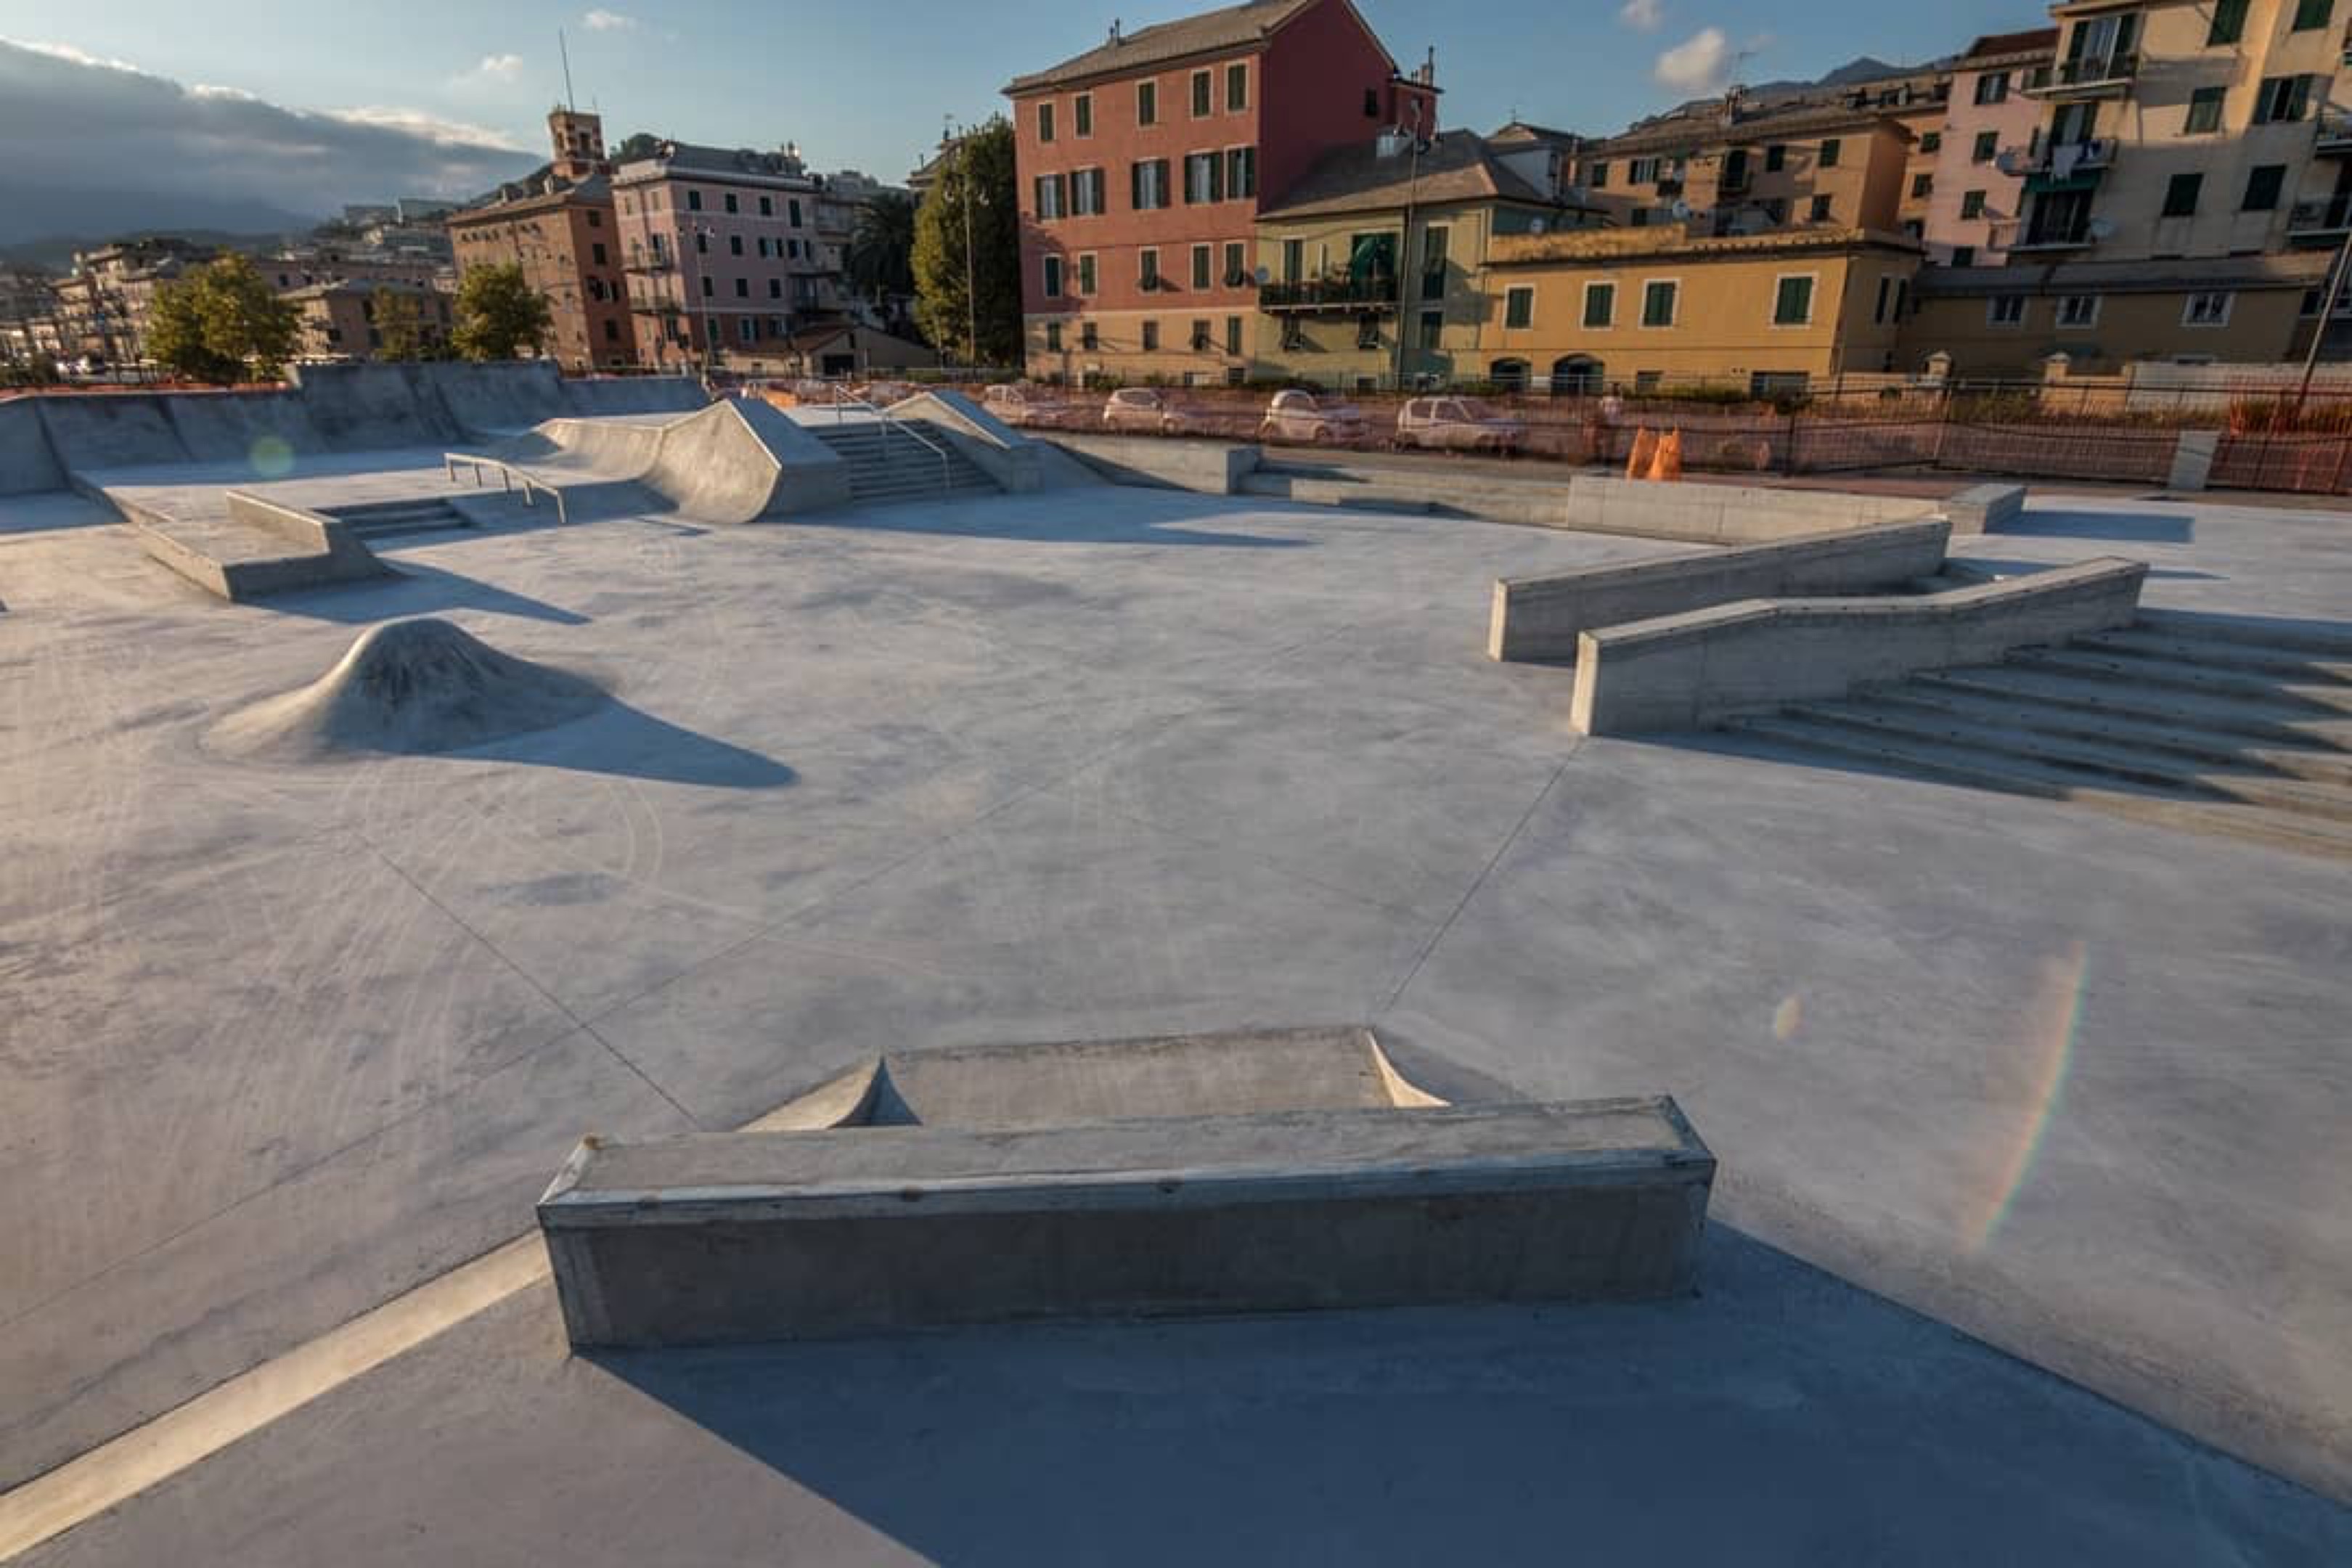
[881,257]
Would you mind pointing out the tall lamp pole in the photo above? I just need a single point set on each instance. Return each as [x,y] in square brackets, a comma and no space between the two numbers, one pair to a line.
[2337,270]
[971,276]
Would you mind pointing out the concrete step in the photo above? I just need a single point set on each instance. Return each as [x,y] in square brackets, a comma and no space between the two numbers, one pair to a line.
[2217,653]
[2016,775]
[386,519]
[2091,761]
[2219,748]
[2302,638]
[2176,675]
[2284,723]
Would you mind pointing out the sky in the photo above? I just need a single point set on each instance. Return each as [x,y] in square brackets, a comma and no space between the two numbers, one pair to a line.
[441,85]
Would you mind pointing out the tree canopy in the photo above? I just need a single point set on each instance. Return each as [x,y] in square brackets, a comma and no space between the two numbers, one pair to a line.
[400,323]
[498,312]
[976,179]
[223,323]
[882,250]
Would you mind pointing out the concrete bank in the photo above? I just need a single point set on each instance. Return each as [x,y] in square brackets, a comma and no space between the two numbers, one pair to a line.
[262,548]
[1210,467]
[751,1236]
[1686,671]
[1540,618]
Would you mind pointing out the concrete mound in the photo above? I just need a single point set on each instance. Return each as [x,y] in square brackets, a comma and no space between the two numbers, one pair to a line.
[418,685]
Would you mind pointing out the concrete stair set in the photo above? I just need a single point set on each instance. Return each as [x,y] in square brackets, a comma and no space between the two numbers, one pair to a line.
[887,464]
[2233,727]
[376,521]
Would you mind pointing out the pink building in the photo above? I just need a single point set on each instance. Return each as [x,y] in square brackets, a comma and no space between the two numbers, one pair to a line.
[1988,138]
[723,251]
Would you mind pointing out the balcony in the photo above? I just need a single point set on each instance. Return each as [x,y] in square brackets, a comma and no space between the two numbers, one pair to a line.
[2090,76]
[1342,295]
[2319,223]
[2334,133]
[648,265]
[2058,160]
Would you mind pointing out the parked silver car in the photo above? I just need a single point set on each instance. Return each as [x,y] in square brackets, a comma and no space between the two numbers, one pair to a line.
[1310,419]
[1458,425]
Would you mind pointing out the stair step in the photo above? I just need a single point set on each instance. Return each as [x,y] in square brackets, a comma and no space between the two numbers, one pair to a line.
[1961,764]
[2279,721]
[2244,657]
[2181,675]
[2316,762]
[2288,635]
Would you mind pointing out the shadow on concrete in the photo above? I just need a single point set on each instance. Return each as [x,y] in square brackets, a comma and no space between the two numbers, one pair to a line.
[416,589]
[2148,527]
[623,742]
[1165,519]
[1779,1416]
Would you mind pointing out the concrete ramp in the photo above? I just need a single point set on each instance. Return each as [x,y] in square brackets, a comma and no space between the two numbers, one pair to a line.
[741,460]
[374,407]
[112,430]
[600,449]
[262,429]
[634,394]
[27,463]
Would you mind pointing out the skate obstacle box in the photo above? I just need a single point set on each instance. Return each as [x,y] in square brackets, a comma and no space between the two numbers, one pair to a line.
[1263,1172]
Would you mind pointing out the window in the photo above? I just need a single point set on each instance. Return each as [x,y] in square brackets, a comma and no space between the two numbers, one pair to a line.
[2078,309]
[1658,301]
[2310,14]
[1201,340]
[1049,196]
[794,207]
[1921,184]
[1236,88]
[2262,186]
[1432,332]
[1082,114]
[1201,88]
[1828,160]
[1519,307]
[1236,263]
[596,249]
[734,245]
[694,201]
[1964,256]
[1993,87]
[1598,177]
[730,200]
[1241,173]
[1648,381]
[1087,273]
[2204,111]
[1972,204]
[1293,259]
[1792,302]
[1233,335]
[1434,241]
[1087,192]
[2180,195]
[1294,336]
[1204,177]
[775,288]
[1931,140]
[595,219]
[1150,337]
[702,242]
[1044,122]
[1820,211]
[2229,22]
[1204,259]
[1776,158]
[1148,184]
[743,287]
[1368,332]
[1053,337]
[1053,278]
[1147,267]
[1643,172]
[2210,309]
[1987,142]
[2282,98]
[767,207]
[1147,104]
[1599,305]
[2005,310]
[1089,336]
[1372,103]
[1886,289]
[612,331]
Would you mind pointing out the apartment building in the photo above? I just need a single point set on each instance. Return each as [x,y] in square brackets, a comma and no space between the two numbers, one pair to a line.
[728,251]
[1145,161]
[559,227]
[309,266]
[1737,167]
[1774,311]
[1987,142]
[344,320]
[108,302]
[1376,261]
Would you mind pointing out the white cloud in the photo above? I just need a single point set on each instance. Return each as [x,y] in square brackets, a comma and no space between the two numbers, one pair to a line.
[67,52]
[425,127]
[1698,64]
[490,70]
[1642,16]
[602,21]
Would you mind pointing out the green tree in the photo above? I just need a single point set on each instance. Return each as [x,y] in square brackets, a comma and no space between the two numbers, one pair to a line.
[640,145]
[498,312]
[398,317]
[976,182]
[223,323]
[881,257]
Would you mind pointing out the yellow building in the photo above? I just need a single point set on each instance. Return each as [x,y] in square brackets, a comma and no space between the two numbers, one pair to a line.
[1641,308]
[1736,168]
[1375,265]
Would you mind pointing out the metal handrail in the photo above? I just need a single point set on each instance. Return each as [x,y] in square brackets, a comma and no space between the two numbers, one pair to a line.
[508,475]
[842,399]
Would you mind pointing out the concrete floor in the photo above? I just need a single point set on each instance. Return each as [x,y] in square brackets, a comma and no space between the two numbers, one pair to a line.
[284,1042]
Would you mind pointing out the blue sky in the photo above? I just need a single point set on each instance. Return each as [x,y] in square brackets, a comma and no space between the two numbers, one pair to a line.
[864,85]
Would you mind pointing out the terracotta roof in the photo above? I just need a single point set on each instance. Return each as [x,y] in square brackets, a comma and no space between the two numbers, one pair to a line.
[1520,130]
[2290,270]
[2042,40]
[1455,167]
[1693,132]
[1235,26]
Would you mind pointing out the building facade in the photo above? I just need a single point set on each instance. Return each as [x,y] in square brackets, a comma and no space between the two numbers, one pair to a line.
[347,321]
[559,227]
[1738,169]
[1988,141]
[1144,163]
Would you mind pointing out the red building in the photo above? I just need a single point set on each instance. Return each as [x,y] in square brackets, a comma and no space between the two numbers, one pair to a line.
[1143,163]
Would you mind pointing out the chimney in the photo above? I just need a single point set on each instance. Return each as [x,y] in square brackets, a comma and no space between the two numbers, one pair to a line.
[1114,32]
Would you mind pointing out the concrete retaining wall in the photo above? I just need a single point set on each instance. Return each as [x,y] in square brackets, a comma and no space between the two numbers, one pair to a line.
[27,464]
[794,1235]
[371,407]
[504,395]
[597,396]
[1726,514]
[1540,618]
[1212,468]
[97,430]
[1686,671]
[233,427]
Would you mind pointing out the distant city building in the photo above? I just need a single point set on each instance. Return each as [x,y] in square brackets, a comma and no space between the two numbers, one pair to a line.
[343,319]
[106,306]
[558,225]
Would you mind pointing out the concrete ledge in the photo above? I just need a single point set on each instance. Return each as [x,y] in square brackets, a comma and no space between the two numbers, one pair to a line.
[262,548]
[995,448]
[1980,508]
[1726,514]
[1212,468]
[1686,671]
[770,1235]
[1540,618]
[1535,501]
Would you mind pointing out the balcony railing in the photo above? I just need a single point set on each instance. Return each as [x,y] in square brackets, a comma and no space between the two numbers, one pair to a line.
[2061,158]
[2087,73]
[2320,220]
[648,264]
[2335,131]
[1375,292]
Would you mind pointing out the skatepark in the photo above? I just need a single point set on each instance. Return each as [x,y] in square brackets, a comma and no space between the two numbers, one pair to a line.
[768,761]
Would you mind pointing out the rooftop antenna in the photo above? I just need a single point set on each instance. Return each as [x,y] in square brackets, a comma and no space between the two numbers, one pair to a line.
[563,49]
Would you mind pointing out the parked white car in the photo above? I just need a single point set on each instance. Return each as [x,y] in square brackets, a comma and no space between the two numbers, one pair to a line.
[1146,408]
[1019,405]
[1458,425]
[1305,418]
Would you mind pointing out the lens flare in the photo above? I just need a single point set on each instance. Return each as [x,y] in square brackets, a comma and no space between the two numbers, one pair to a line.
[1786,1019]
[2051,1021]
[271,457]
